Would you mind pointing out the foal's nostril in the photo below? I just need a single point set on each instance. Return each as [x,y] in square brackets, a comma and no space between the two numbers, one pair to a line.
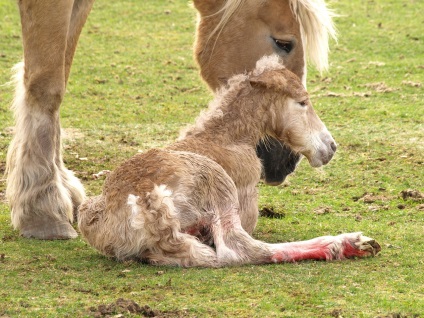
[333,146]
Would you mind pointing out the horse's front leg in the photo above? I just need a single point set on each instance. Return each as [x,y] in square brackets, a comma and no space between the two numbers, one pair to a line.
[248,201]
[39,189]
[80,12]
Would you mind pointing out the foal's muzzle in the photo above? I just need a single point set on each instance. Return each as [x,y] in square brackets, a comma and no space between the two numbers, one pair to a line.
[324,149]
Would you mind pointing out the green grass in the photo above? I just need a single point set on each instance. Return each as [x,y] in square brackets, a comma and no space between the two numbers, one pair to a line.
[134,84]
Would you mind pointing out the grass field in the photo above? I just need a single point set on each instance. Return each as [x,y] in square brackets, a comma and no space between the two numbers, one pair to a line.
[134,84]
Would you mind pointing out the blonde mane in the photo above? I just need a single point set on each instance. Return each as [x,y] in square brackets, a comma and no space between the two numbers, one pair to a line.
[316,25]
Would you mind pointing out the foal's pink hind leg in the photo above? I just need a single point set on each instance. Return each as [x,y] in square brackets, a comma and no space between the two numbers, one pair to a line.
[42,194]
[343,246]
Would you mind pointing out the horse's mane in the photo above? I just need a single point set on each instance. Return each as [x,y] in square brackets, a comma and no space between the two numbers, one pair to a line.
[316,24]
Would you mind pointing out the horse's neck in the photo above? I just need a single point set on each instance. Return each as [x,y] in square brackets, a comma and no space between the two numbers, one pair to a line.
[228,134]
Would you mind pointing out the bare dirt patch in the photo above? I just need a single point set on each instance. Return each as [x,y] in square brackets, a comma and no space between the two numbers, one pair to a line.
[322,210]
[399,315]
[371,198]
[269,212]
[412,84]
[123,307]
[380,87]
[412,194]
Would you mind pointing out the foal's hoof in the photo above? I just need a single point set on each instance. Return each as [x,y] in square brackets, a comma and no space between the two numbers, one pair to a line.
[358,245]
[45,228]
[369,245]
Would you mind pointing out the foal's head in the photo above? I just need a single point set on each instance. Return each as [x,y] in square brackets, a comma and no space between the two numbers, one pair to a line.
[290,115]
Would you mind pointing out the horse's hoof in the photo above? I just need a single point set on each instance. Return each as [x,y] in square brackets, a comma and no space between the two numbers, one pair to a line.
[44,228]
[358,245]
[368,245]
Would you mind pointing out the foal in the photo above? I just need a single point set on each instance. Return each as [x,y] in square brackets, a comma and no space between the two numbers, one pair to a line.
[194,203]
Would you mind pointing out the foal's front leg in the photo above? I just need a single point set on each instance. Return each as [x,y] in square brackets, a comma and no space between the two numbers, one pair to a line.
[235,246]
[346,245]
[41,192]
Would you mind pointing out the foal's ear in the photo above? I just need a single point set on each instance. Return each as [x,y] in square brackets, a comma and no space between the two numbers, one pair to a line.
[275,80]
[208,7]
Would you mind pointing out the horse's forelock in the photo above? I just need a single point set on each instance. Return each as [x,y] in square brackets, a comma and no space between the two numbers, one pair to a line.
[227,10]
[316,24]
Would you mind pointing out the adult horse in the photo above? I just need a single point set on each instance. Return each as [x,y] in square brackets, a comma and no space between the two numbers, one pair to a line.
[231,36]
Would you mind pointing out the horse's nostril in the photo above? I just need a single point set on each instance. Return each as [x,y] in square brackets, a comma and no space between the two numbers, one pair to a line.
[333,146]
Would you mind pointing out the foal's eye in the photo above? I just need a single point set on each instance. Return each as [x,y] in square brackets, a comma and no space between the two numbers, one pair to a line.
[303,103]
[286,46]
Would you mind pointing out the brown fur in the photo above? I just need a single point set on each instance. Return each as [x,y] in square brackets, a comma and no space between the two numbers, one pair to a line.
[245,31]
[42,193]
[170,206]
[232,35]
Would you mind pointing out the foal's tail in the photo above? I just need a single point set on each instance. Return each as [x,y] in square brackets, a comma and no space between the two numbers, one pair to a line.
[156,221]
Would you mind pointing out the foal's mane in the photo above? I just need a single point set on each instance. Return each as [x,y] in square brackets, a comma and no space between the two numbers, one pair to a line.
[316,24]
[227,95]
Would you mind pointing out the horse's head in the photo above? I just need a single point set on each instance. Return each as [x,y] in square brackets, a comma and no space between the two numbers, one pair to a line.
[233,34]
[291,118]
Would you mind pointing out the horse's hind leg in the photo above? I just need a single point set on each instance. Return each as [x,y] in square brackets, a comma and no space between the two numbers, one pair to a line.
[40,199]
[156,219]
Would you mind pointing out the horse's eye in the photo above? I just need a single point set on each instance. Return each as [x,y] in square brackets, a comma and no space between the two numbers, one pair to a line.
[286,46]
[303,103]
